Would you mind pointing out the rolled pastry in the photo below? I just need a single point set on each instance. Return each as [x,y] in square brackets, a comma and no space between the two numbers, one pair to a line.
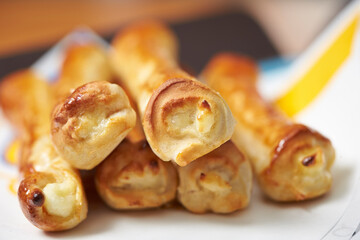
[291,161]
[51,194]
[88,125]
[133,177]
[82,64]
[182,118]
[220,181]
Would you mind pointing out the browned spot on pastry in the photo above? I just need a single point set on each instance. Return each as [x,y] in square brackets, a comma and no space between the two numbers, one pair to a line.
[202,176]
[25,196]
[205,104]
[37,199]
[180,102]
[154,165]
[58,116]
[85,96]
[284,143]
[143,145]
[135,203]
[308,161]
[25,167]
[133,167]
[295,131]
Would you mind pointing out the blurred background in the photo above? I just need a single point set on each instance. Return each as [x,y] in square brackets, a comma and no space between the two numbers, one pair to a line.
[262,29]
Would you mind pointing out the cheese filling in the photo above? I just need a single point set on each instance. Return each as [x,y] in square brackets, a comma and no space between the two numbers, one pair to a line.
[60,198]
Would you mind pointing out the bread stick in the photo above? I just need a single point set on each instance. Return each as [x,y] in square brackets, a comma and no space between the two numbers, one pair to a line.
[88,125]
[133,177]
[220,181]
[21,98]
[183,119]
[291,161]
[51,194]
[82,64]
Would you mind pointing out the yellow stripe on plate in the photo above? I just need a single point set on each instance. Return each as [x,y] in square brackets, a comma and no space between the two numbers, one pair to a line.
[315,79]
[13,186]
[12,152]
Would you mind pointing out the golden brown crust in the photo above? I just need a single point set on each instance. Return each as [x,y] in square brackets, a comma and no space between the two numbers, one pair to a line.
[31,201]
[276,145]
[91,122]
[46,168]
[220,181]
[289,177]
[132,177]
[145,57]
[84,98]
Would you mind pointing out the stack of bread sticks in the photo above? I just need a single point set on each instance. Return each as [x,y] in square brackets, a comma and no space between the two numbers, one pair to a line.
[155,133]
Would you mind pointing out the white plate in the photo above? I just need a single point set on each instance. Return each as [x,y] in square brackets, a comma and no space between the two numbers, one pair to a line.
[335,113]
